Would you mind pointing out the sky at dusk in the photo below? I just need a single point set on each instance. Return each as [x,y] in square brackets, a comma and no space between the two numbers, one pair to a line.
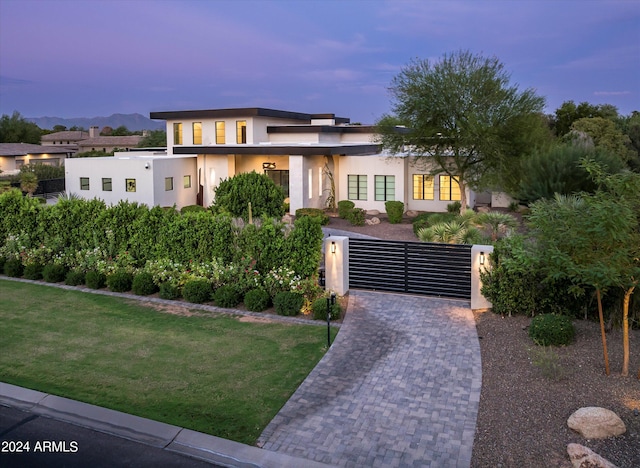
[87,58]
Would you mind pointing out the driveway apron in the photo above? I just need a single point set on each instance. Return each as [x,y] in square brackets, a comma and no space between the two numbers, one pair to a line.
[400,387]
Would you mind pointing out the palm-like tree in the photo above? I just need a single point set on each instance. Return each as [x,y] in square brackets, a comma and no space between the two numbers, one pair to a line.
[28,182]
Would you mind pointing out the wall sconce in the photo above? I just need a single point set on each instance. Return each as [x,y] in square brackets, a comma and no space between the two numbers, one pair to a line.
[268,165]
[481,258]
[333,247]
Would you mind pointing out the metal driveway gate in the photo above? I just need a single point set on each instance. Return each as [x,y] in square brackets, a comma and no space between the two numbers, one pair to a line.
[411,267]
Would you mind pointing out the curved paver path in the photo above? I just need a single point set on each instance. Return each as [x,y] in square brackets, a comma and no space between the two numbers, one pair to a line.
[399,387]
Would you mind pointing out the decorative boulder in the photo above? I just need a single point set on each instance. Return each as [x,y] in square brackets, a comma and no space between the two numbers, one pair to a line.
[373,212]
[596,423]
[411,213]
[287,219]
[584,457]
[372,221]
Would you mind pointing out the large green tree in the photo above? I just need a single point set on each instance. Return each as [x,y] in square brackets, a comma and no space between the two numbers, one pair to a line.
[462,113]
[153,139]
[603,134]
[16,129]
[569,112]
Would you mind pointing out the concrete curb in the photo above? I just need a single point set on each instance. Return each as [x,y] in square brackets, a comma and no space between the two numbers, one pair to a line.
[173,438]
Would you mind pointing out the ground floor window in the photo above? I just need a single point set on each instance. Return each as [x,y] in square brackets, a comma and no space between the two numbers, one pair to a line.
[357,187]
[280,178]
[106,184]
[131,185]
[449,188]
[422,187]
[385,188]
[84,183]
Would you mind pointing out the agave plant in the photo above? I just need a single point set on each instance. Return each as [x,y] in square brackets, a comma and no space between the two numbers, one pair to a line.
[452,232]
[497,223]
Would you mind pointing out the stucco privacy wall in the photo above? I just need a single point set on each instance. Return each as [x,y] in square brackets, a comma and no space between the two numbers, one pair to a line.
[148,172]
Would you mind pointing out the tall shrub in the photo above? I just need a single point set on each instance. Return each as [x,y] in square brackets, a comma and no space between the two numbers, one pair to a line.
[234,194]
[303,247]
[395,210]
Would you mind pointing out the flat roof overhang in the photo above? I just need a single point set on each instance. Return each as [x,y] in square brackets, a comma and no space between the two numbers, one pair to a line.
[273,150]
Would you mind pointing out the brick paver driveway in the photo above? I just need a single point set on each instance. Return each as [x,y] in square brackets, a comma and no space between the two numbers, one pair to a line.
[399,387]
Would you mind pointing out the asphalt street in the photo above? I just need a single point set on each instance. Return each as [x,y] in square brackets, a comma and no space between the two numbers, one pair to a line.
[31,440]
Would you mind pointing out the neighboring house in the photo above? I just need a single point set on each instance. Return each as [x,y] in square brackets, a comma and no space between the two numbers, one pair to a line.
[81,142]
[14,155]
[294,149]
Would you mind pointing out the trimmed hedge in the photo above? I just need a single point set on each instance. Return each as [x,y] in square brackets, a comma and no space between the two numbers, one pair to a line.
[395,210]
[319,309]
[120,281]
[13,268]
[316,213]
[197,291]
[227,296]
[54,273]
[33,271]
[257,300]
[95,280]
[551,330]
[344,207]
[143,284]
[169,291]
[288,303]
[74,278]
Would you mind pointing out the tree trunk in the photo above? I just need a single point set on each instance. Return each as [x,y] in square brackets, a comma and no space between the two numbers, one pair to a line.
[604,336]
[463,195]
[625,331]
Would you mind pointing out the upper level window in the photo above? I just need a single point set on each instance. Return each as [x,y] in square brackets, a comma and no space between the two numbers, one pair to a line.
[177,133]
[186,180]
[130,185]
[197,133]
[241,131]
[422,187]
[84,183]
[168,183]
[449,188]
[220,140]
[106,184]
[357,187]
[385,188]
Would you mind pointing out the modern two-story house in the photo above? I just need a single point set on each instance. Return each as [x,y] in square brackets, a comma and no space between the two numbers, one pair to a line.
[302,153]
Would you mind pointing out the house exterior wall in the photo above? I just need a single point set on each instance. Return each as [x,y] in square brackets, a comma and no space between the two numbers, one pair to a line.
[7,163]
[371,166]
[149,183]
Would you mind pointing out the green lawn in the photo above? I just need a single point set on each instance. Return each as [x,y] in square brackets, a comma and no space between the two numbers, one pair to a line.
[211,373]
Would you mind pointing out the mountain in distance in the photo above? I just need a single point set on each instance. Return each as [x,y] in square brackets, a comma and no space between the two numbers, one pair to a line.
[133,122]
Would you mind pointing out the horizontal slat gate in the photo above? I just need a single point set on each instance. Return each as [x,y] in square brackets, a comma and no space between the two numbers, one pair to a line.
[411,267]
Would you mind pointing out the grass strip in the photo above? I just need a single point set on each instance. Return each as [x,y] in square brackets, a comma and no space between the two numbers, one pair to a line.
[213,373]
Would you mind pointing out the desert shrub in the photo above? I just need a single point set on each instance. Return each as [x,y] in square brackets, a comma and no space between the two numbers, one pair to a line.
[454,207]
[143,284]
[191,209]
[33,271]
[13,268]
[54,273]
[227,296]
[288,303]
[234,194]
[395,210]
[551,330]
[197,291]
[514,206]
[344,207]
[95,279]
[74,278]
[120,281]
[356,216]
[316,213]
[257,300]
[169,291]
[303,247]
[319,309]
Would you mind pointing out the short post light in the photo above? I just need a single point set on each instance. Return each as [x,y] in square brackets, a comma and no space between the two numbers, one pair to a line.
[333,247]
[481,258]
[331,300]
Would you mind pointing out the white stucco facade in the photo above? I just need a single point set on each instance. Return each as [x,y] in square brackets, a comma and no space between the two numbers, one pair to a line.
[143,178]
